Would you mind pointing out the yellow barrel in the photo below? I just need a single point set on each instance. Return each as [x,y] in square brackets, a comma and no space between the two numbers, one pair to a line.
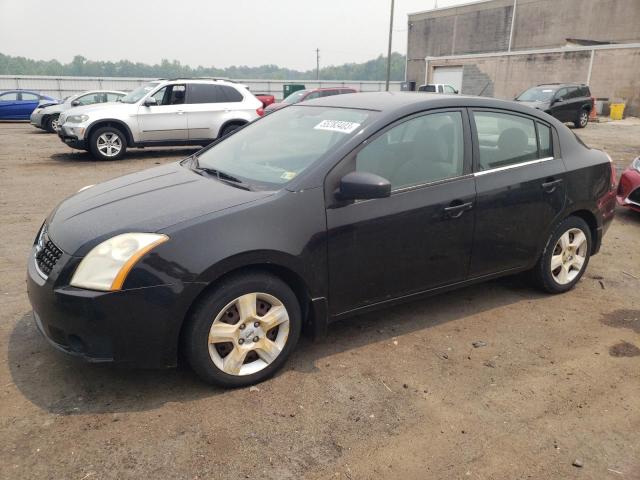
[617,111]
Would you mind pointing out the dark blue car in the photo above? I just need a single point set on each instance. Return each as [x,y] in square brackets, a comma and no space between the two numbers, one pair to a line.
[18,104]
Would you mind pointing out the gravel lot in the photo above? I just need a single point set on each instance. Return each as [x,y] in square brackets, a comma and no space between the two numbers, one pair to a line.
[400,393]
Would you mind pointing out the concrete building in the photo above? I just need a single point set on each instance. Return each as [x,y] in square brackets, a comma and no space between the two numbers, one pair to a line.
[501,47]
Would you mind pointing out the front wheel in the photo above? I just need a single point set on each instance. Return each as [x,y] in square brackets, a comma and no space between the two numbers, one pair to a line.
[108,143]
[582,119]
[51,125]
[243,331]
[565,257]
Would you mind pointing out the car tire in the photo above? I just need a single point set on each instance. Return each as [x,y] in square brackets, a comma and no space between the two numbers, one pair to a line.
[582,118]
[565,256]
[241,314]
[108,143]
[51,123]
[228,129]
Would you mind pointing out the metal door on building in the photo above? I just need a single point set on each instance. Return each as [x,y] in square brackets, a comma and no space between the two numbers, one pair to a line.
[449,75]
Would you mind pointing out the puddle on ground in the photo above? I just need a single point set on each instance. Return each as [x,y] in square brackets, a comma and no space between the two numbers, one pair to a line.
[623,319]
[624,349]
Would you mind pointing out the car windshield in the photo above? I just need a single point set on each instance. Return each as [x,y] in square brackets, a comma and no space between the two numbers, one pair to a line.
[295,97]
[275,149]
[536,94]
[138,93]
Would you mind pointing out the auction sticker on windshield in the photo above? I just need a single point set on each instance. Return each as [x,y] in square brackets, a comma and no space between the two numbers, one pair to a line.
[337,126]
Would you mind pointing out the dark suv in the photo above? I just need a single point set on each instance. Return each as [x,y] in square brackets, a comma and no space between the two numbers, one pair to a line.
[568,102]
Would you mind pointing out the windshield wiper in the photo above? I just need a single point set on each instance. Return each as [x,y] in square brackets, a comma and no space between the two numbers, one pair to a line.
[222,176]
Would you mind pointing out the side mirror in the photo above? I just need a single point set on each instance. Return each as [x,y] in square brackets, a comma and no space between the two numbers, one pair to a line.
[150,102]
[363,186]
[75,103]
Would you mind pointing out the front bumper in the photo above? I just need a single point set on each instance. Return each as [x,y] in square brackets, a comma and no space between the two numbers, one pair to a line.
[73,136]
[36,119]
[139,326]
[628,194]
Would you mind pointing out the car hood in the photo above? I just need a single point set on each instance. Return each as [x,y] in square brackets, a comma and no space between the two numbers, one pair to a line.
[54,108]
[101,109]
[147,201]
[538,105]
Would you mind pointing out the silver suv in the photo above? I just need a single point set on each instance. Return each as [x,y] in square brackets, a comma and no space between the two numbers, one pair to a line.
[160,113]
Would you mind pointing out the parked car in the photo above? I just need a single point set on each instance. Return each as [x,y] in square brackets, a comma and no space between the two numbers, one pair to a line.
[306,95]
[629,187]
[46,117]
[437,88]
[319,211]
[18,104]
[265,98]
[160,113]
[568,102]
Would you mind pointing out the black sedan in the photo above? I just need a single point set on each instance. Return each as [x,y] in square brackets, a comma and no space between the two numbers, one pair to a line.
[309,215]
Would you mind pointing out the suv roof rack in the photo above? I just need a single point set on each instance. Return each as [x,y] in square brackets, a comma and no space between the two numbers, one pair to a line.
[200,78]
[562,83]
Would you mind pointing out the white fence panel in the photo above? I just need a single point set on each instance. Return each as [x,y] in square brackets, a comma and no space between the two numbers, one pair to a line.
[62,87]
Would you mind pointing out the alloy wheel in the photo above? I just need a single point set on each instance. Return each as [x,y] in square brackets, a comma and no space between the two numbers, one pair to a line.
[248,334]
[569,256]
[54,124]
[109,144]
[584,118]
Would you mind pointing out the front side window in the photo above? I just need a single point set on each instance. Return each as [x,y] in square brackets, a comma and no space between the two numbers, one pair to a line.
[275,149]
[537,94]
[170,95]
[312,96]
[562,94]
[421,150]
[505,139]
[114,97]
[295,97]
[89,99]
[449,89]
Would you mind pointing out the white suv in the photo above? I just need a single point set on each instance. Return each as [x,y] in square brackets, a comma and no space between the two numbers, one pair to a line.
[160,113]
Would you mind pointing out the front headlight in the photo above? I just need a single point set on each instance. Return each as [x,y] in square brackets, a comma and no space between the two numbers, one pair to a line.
[77,118]
[106,266]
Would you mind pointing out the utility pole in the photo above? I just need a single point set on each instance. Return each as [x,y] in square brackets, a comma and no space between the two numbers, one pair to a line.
[317,64]
[389,51]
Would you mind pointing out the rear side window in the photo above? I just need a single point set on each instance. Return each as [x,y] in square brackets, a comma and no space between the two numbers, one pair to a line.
[30,97]
[421,150]
[208,93]
[584,92]
[427,88]
[545,142]
[504,139]
[231,94]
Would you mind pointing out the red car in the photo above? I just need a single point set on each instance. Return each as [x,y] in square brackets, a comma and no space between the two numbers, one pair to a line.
[304,95]
[629,187]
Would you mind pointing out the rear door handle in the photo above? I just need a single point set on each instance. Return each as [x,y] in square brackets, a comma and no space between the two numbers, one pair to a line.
[455,209]
[551,185]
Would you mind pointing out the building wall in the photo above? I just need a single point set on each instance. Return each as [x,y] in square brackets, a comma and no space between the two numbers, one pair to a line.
[614,74]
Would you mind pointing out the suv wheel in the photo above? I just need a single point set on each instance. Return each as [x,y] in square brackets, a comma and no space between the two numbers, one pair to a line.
[583,119]
[51,124]
[108,143]
[565,257]
[229,128]
[243,331]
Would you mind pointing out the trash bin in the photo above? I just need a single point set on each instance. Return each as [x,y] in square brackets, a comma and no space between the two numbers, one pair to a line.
[617,111]
[289,88]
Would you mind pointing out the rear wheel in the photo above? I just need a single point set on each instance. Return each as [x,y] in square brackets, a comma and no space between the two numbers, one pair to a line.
[582,119]
[51,124]
[229,128]
[108,143]
[565,257]
[243,331]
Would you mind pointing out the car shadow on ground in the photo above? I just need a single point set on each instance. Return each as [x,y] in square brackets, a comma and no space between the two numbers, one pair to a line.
[59,384]
[83,156]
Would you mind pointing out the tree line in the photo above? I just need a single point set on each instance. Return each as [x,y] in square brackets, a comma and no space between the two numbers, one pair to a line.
[80,66]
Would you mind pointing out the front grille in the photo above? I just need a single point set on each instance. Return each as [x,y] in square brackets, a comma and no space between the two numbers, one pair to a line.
[47,254]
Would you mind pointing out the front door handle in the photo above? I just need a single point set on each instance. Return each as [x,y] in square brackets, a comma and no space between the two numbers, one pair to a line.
[180,112]
[456,209]
[550,185]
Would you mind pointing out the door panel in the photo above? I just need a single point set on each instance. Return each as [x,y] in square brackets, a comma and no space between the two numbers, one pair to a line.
[420,237]
[385,248]
[519,196]
[9,106]
[166,121]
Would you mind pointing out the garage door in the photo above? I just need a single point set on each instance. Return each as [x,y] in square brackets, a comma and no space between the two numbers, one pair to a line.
[449,75]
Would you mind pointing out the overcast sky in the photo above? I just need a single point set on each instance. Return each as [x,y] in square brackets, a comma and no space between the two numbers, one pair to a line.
[206,32]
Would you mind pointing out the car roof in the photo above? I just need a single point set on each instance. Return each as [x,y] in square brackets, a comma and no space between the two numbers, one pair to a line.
[560,85]
[328,88]
[394,103]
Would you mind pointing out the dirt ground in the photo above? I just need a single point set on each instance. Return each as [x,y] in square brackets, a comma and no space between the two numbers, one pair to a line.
[399,394]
